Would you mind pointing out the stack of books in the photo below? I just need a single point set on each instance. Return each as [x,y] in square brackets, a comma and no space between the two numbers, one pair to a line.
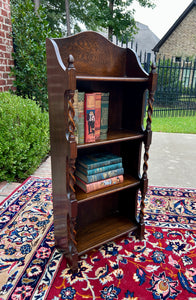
[91,116]
[98,170]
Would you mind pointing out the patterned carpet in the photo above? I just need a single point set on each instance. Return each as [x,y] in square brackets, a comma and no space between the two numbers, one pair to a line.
[163,266]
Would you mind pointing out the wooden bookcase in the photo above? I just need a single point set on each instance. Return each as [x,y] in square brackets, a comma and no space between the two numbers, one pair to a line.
[90,63]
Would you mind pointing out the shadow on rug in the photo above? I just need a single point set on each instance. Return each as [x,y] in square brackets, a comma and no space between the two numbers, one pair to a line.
[163,266]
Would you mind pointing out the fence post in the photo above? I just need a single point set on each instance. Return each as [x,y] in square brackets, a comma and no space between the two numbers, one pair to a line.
[147,63]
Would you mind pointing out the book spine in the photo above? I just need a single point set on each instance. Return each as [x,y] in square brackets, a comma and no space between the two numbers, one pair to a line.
[90,187]
[99,176]
[76,120]
[101,164]
[99,170]
[97,115]
[104,115]
[80,117]
[89,118]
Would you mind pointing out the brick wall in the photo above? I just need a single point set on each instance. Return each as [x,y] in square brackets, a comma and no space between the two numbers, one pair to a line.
[6,46]
[182,41]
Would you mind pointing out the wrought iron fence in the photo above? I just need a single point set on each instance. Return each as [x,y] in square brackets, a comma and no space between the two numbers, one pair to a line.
[176,88]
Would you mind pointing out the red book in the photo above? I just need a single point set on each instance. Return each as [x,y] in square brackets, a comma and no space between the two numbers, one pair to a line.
[89,117]
[97,115]
[90,187]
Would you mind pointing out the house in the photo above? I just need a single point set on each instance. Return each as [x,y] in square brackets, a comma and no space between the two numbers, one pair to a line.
[6,46]
[144,40]
[180,39]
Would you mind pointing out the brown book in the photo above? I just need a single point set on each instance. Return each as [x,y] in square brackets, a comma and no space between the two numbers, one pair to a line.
[89,118]
[90,187]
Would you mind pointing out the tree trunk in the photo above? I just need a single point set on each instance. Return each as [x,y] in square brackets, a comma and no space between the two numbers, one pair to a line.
[67,17]
[110,28]
[37,4]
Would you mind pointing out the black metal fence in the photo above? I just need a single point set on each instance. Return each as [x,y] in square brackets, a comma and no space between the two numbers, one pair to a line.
[176,88]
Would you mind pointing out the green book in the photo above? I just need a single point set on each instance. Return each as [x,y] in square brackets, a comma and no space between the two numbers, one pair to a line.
[99,176]
[97,160]
[104,115]
[99,170]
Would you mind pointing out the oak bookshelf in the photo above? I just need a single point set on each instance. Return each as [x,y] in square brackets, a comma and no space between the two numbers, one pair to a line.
[89,62]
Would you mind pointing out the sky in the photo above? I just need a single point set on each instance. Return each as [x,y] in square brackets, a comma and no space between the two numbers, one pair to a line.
[162,17]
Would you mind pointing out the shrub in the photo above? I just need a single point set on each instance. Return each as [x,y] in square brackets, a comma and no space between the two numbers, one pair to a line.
[29,34]
[24,137]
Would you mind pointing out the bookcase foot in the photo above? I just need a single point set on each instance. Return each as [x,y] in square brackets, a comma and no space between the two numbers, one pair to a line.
[140,232]
[72,262]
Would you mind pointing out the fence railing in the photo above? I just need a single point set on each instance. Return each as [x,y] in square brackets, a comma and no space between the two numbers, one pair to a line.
[176,88]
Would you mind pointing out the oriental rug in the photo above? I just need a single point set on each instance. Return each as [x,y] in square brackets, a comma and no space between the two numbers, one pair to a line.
[162,266]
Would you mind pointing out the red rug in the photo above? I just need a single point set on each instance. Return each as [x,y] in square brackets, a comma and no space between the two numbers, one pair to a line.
[163,266]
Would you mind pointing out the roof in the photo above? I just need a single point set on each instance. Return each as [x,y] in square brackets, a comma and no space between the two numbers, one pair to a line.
[144,38]
[178,21]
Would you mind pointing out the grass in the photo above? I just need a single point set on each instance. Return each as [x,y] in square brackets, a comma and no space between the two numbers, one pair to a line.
[174,124]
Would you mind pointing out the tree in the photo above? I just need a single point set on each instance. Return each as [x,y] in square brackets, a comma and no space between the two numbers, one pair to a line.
[29,34]
[115,16]
[67,17]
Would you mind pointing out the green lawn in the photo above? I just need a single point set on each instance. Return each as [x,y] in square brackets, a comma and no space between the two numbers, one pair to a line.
[174,124]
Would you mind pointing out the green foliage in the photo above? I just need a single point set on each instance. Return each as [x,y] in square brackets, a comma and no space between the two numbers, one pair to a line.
[114,15]
[24,137]
[29,32]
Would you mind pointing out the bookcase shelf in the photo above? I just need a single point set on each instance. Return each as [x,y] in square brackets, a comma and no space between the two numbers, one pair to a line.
[114,137]
[128,182]
[103,231]
[115,79]
[90,63]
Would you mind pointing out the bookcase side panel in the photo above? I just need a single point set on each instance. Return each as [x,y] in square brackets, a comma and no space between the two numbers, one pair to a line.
[58,84]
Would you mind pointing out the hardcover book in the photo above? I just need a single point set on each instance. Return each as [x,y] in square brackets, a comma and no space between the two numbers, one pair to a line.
[76,119]
[98,170]
[89,118]
[90,187]
[104,115]
[99,176]
[97,115]
[81,117]
[97,160]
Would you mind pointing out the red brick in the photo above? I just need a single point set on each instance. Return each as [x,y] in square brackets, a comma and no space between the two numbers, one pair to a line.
[2,34]
[2,82]
[5,75]
[6,27]
[7,55]
[7,21]
[6,88]
[2,48]
[6,6]
[4,13]
[3,61]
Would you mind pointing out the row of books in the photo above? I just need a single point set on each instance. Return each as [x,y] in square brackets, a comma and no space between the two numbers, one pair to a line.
[98,170]
[91,116]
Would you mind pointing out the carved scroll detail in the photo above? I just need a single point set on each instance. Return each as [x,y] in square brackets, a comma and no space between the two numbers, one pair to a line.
[70,163]
[147,142]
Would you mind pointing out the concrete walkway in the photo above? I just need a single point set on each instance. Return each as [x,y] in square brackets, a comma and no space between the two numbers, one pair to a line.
[172,163]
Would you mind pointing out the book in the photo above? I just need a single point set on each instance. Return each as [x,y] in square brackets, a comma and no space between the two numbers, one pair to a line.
[99,176]
[98,170]
[76,119]
[97,115]
[90,187]
[81,117]
[89,118]
[104,115]
[97,160]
